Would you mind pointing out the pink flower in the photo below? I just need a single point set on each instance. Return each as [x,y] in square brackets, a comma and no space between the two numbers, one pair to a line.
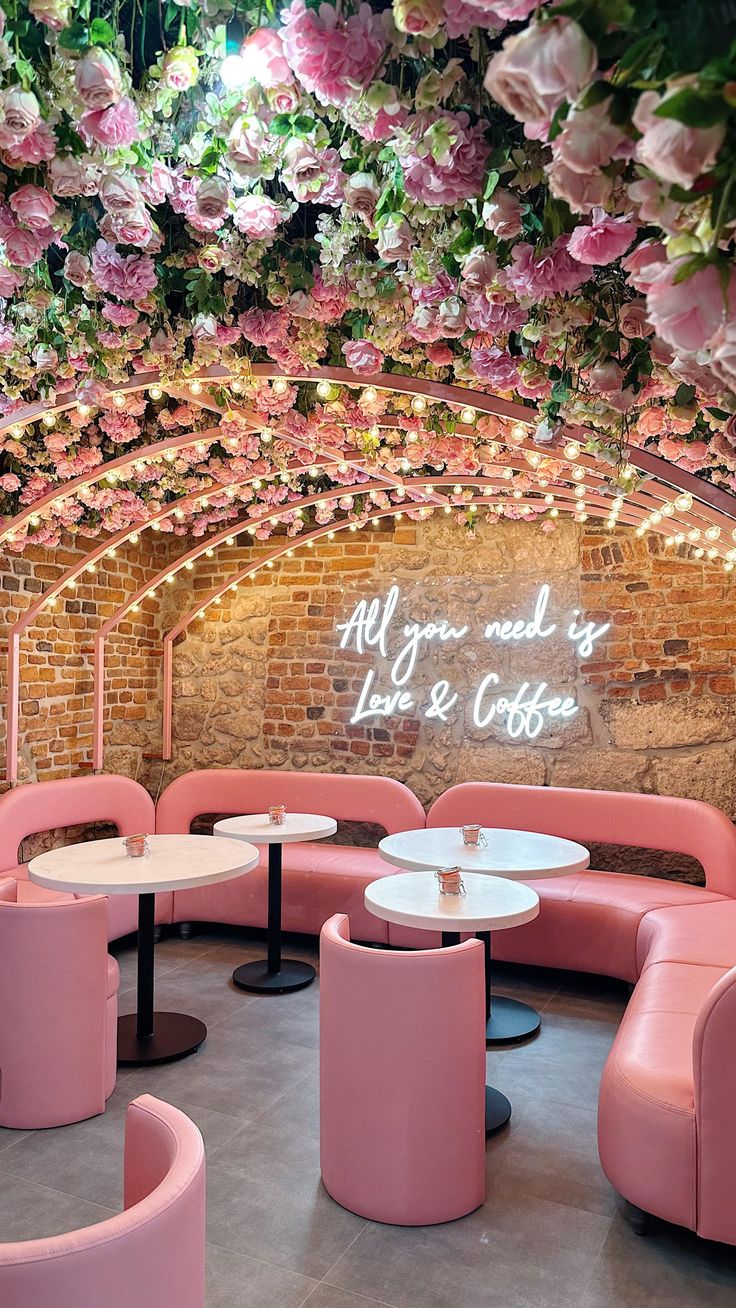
[127,277]
[457,173]
[439,354]
[674,152]
[580,190]
[263,53]
[363,357]
[10,281]
[257,216]
[395,239]
[119,314]
[540,276]
[134,228]
[70,176]
[651,421]
[180,68]
[34,207]
[502,214]
[588,140]
[22,248]
[633,322]
[461,16]
[723,354]
[9,482]
[479,270]
[418,17]
[545,64]
[98,80]
[361,194]
[688,314]
[211,200]
[332,57]
[115,126]
[120,193]
[52,13]
[651,206]
[76,268]
[496,367]
[644,263]
[21,114]
[602,240]
[156,184]
[693,456]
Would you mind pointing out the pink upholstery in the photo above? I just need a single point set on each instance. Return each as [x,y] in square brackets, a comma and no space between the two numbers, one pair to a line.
[46,805]
[149,1256]
[402,1075]
[58,1008]
[319,879]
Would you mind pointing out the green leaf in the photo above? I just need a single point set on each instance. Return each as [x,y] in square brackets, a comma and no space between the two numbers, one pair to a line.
[694,108]
[75,37]
[684,394]
[101,33]
[280,125]
[492,181]
[558,117]
[302,124]
[689,267]
[596,93]
[25,71]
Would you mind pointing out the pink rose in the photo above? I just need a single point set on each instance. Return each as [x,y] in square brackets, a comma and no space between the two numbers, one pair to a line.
[257,216]
[212,199]
[34,207]
[690,455]
[39,146]
[115,126]
[119,314]
[588,140]
[651,206]
[211,258]
[76,268]
[284,98]
[545,64]
[120,193]
[603,240]
[651,422]
[52,13]
[502,214]
[10,281]
[633,322]
[395,239]
[363,357]
[180,68]
[674,152]
[21,113]
[688,314]
[606,377]
[247,140]
[438,354]
[723,354]
[644,264]
[98,79]
[70,176]
[22,248]
[418,17]
[156,184]
[134,228]
[582,191]
[479,269]
[263,55]
[361,194]
[10,483]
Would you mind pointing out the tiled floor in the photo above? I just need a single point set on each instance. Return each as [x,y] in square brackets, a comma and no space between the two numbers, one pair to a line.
[551,1234]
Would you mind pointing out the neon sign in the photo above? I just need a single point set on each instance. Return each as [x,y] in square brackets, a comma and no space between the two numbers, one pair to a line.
[373,625]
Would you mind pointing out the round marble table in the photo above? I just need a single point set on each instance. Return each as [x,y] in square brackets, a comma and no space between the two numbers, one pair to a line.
[102,867]
[274,974]
[513,855]
[489,904]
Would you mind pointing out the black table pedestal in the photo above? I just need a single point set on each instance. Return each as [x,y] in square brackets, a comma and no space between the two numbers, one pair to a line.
[146,1036]
[508,1020]
[274,975]
[498,1108]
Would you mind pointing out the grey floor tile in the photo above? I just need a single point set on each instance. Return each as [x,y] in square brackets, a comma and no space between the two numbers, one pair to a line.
[205,990]
[669,1268]
[234,1281]
[9,1137]
[564,1063]
[329,1296]
[29,1211]
[293,1018]
[514,1252]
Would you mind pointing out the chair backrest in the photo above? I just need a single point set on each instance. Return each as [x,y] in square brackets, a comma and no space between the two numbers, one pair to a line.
[401,1107]
[150,1254]
[608,817]
[53,990]
[46,805]
[380,800]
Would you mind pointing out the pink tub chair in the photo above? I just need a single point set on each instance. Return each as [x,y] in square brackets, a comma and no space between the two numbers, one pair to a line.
[58,1007]
[149,1256]
[402,1077]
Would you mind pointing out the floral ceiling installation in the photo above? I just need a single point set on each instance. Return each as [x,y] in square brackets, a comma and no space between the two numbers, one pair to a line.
[536,201]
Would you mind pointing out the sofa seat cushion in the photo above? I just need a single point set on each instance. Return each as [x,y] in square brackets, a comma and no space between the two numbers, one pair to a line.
[680,935]
[646,1110]
[113,977]
[318,881]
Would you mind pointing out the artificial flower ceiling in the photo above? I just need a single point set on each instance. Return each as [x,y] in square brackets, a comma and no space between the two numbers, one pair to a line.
[528,201]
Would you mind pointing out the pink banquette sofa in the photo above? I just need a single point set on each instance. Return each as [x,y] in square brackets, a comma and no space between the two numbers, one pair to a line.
[152,1255]
[319,879]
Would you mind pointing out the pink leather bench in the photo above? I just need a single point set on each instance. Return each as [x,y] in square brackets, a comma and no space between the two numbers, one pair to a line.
[319,879]
[47,805]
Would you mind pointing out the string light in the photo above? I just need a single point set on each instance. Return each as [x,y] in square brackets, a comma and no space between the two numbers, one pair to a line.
[209,553]
[467,414]
[49,419]
[324,390]
[134,538]
[189,565]
[119,400]
[572,450]
[713,533]
[280,386]
[195,387]
[418,403]
[155,392]
[684,502]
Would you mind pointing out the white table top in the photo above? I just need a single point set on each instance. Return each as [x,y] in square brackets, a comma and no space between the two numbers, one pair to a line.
[296,826]
[522,855]
[489,903]
[175,863]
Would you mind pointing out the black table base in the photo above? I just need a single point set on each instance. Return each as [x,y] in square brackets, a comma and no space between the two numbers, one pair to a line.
[507,1020]
[148,1037]
[274,975]
[498,1108]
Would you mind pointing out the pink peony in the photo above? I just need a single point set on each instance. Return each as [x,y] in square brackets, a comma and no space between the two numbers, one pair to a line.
[693,456]
[674,152]
[22,248]
[115,126]
[455,174]
[127,277]
[34,207]
[496,367]
[119,314]
[10,483]
[332,57]
[263,53]
[98,79]
[257,216]
[602,240]
[552,271]
[545,64]
[363,357]
[688,314]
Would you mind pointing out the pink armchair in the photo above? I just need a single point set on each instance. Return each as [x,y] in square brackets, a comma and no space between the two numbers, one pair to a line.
[152,1255]
[58,1007]
[402,1079]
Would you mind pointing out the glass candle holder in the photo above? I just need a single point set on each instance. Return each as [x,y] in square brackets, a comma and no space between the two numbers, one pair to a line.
[472,835]
[277,814]
[136,846]
[450,881]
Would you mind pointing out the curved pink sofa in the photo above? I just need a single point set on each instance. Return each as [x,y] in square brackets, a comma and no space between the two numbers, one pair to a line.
[152,1255]
[319,879]
[48,805]
[58,1008]
[402,1102]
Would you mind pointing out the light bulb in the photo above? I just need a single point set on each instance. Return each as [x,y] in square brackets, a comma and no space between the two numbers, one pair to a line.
[119,400]
[419,404]
[49,420]
[155,392]
[234,72]
[195,387]
[209,553]
[324,390]
[684,502]
[572,450]
[467,414]
[83,410]
[134,538]
[370,394]
[713,533]
[229,540]
[280,385]
[189,565]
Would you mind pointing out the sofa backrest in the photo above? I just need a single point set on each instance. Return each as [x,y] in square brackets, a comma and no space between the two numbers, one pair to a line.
[682,826]
[379,800]
[46,805]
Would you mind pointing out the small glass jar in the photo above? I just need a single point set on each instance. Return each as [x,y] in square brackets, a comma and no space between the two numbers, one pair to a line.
[136,846]
[472,835]
[277,815]
[450,881]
